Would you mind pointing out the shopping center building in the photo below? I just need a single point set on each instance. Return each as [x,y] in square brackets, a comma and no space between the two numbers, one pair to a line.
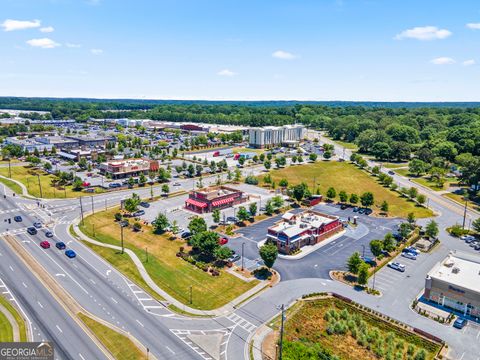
[454,283]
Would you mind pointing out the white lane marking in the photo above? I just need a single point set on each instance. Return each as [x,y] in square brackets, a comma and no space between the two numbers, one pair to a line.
[173,352]
[58,327]
[139,322]
[108,272]
[81,356]
[93,282]
[63,275]
[115,301]
[24,285]
[40,304]
[10,266]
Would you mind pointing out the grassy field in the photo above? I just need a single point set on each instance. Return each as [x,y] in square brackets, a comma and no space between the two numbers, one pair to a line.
[121,347]
[425,181]
[12,185]
[28,177]
[345,144]
[247,150]
[169,272]
[340,329]
[5,327]
[347,177]
[390,165]
[460,199]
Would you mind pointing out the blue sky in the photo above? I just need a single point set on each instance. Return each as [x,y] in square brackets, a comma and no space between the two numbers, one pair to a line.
[389,50]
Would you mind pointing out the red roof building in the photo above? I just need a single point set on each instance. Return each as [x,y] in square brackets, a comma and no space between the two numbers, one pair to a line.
[216,197]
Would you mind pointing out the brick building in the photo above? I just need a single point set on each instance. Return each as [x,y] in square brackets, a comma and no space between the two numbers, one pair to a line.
[214,197]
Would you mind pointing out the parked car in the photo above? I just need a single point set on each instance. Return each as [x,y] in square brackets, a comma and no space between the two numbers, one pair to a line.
[460,323]
[409,255]
[70,253]
[469,240]
[45,244]
[124,223]
[177,184]
[38,225]
[355,209]
[138,213]
[49,234]
[144,204]
[396,266]
[114,185]
[477,247]
[31,230]
[185,234]
[412,250]
[343,206]
[60,245]
[232,219]
[391,172]
[18,218]
[361,210]
[474,243]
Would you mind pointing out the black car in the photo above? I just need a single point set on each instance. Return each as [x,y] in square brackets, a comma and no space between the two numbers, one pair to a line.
[49,234]
[60,245]
[31,230]
[18,218]
[144,204]
[186,234]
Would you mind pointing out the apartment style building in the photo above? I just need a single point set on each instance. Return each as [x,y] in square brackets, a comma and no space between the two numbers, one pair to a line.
[270,136]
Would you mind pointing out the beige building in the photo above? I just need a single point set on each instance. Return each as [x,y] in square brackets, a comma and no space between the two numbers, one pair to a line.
[121,169]
[454,283]
[269,136]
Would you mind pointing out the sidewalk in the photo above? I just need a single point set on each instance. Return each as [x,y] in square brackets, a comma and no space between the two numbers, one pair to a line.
[222,311]
[12,321]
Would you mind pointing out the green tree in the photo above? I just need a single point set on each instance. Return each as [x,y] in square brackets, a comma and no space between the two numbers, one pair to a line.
[389,243]
[237,175]
[77,184]
[131,182]
[269,209]
[206,242]
[476,225]
[343,196]
[362,277]
[331,193]
[421,199]
[353,199]
[160,224]
[283,183]
[404,230]
[411,218]
[367,199]
[412,192]
[269,253]
[252,209]
[300,191]
[417,167]
[376,247]
[216,216]
[222,253]
[142,179]
[267,164]
[432,229]
[277,201]
[313,157]
[354,262]
[384,206]
[131,204]
[197,225]
[243,214]
[165,189]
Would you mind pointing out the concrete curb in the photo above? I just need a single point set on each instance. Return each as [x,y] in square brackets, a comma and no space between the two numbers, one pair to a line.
[222,311]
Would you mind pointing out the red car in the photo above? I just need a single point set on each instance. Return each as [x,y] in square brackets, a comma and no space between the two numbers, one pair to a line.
[223,241]
[45,244]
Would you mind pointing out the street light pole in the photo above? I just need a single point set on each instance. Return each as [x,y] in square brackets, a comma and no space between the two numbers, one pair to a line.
[93,210]
[243,245]
[81,207]
[465,212]
[121,234]
[191,294]
[40,185]
[374,272]
[363,251]
[281,333]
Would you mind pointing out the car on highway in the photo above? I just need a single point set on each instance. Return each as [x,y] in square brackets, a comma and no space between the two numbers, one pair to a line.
[49,234]
[45,244]
[60,245]
[70,253]
[460,323]
[396,266]
[18,218]
[144,204]
[138,213]
[37,224]
[409,255]
[31,230]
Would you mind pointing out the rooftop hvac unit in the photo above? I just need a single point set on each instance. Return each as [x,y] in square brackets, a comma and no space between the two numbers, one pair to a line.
[455,270]
[448,264]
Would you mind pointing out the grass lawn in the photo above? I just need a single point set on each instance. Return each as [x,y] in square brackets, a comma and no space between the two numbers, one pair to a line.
[345,144]
[169,272]
[347,177]
[28,177]
[247,150]
[12,185]
[6,332]
[425,181]
[460,199]
[121,347]
[390,165]
[349,333]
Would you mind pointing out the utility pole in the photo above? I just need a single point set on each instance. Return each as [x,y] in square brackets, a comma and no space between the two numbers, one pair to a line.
[93,210]
[243,245]
[146,254]
[465,212]
[105,204]
[191,294]
[81,207]
[121,234]
[281,333]
[374,272]
[40,185]
[9,168]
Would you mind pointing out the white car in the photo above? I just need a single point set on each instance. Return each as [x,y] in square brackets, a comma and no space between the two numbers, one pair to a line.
[397,266]
[409,255]
[177,184]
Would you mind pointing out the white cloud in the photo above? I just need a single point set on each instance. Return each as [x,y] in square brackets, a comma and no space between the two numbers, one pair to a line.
[12,25]
[47,29]
[442,61]
[468,62]
[226,72]
[284,55]
[473,26]
[71,45]
[96,51]
[44,43]
[424,33]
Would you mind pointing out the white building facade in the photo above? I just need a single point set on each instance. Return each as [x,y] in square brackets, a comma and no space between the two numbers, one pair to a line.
[269,136]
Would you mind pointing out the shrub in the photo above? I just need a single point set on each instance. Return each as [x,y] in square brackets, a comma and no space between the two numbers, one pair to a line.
[137,226]
[457,231]
[118,217]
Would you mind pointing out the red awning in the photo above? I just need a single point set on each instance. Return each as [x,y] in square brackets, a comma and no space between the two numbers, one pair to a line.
[196,203]
[223,201]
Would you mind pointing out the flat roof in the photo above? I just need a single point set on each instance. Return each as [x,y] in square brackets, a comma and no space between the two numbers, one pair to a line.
[459,269]
[304,221]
